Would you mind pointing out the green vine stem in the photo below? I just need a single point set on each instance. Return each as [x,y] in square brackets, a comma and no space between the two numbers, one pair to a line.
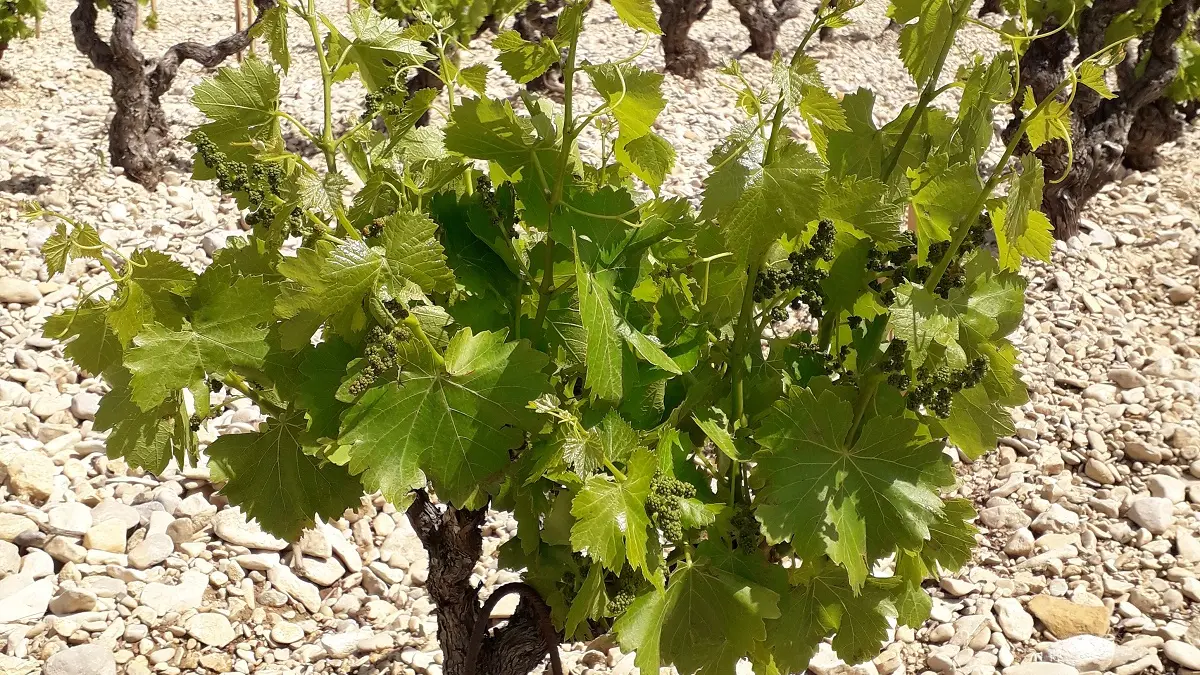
[964,226]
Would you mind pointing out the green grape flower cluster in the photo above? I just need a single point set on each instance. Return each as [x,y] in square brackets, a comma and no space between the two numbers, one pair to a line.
[380,102]
[802,276]
[746,529]
[935,389]
[257,179]
[373,229]
[380,355]
[893,364]
[503,220]
[663,503]
[623,591]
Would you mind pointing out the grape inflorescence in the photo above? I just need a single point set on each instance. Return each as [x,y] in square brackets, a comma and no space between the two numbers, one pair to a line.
[663,503]
[380,356]
[380,102]
[936,387]
[802,276]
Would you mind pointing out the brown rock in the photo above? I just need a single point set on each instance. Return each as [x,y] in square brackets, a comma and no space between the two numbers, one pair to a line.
[1066,619]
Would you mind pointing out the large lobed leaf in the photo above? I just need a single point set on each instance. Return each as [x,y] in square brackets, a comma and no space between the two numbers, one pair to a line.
[456,423]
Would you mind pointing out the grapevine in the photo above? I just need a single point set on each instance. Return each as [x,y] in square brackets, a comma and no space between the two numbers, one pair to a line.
[501,317]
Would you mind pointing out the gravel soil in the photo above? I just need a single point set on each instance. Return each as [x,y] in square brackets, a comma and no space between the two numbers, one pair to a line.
[1090,539]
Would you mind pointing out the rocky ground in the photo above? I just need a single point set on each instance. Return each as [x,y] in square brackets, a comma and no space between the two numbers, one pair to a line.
[1089,552]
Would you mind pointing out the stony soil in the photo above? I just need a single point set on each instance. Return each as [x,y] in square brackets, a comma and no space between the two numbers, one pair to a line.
[1089,551]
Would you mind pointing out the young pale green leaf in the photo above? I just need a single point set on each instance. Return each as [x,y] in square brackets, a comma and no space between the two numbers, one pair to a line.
[156,292]
[1053,122]
[378,197]
[228,330]
[991,303]
[921,42]
[859,150]
[149,439]
[720,437]
[985,84]
[93,346]
[611,524]
[599,318]
[634,96]
[380,47]
[640,629]
[708,618]
[1026,232]
[800,84]
[913,604]
[924,320]
[275,479]
[649,157]
[647,348]
[756,204]
[940,202]
[321,193]
[328,278]
[457,424]
[867,205]
[524,60]
[637,14]
[976,422]
[484,128]
[272,26]
[82,241]
[413,254]
[1092,76]
[474,77]
[590,603]
[570,22]
[246,96]
[853,498]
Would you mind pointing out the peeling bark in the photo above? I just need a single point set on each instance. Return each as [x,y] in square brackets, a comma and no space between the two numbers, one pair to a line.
[139,128]
[683,55]
[453,538]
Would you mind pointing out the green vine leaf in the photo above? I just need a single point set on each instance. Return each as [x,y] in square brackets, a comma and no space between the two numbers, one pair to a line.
[229,330]
[604,352]
[272,26]
[379,47]
[707,619]
[824,492]
[610,516]
[82,241]
[524,60]
[637,14]
[456,423]
[275,479]
[756,203]
[1022,230]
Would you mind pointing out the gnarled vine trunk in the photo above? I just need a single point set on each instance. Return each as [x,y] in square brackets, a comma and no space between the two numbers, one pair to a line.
[4,74]
[683,55]
[990,7]
[453,538]
[1102,130]
[763,19]
[139,128]
[1160,122]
